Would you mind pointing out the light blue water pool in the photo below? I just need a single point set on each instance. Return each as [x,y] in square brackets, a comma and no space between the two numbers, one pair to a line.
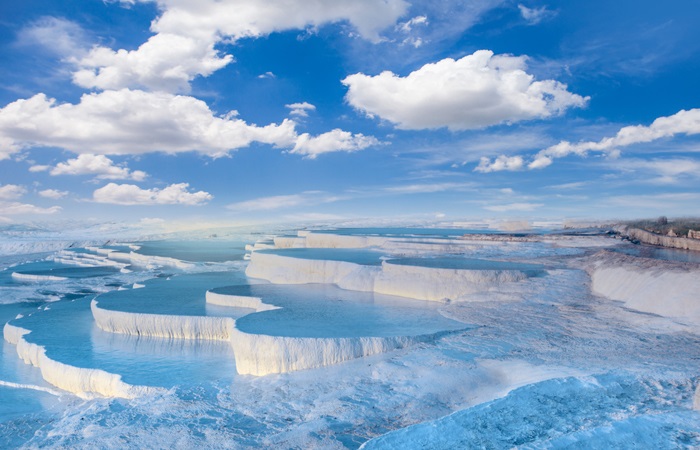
[205,250]
[357,256]
[318,310]
[467,264]
[666,254]
[183,295]
[140,360]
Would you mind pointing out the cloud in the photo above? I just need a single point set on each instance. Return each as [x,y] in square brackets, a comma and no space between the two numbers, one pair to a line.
[514,207]
[166,62]
[428,188]
[332,141]
[533,16]
[131,122]
[669,171]
[53,194]
[684,122]
[300,109]
[276,202]
[16,208]
[99,165]
[267,75]
[59,36]
[12,192]
[129,194]
[407,26]
[188,31]
[476,91]
[502,162]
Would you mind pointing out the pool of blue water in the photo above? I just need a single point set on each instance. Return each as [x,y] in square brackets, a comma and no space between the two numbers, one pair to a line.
[53,269]
[666,254]
[406,232]
[183,295]
[466,264]
[357,256]
[140,360]
[205,250]
[319,310]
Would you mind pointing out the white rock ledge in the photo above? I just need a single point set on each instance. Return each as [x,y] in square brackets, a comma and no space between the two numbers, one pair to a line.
[162,325]
[417,282]
[36,278]
[262,354]
[85,383]
[666,288]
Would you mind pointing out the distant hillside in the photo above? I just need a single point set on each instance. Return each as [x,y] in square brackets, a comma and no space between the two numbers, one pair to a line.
[664,226]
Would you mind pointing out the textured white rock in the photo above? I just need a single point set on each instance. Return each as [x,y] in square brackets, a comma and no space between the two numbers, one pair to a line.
[162,325]
[238,301]
[660,287]
[262,355]
[29,277]
[422,283]
[83,382]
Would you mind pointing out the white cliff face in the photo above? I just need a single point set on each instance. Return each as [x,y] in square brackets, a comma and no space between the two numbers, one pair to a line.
[83,382]
[434,284]
[36,278]
[148,261]
[238,301]
[161,325]
[286,270]
[262,355]
[665,288]
[422,283]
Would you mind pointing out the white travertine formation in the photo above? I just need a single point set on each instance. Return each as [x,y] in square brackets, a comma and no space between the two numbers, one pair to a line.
[238,301]
[665,288]
[262,354]
[427,283]
[83,382]
[29,277]
[162,325]
[422,283]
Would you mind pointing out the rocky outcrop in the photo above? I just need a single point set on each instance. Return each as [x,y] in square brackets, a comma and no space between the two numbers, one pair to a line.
[646,237]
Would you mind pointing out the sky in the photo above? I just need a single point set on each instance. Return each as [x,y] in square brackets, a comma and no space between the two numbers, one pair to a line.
[244,111]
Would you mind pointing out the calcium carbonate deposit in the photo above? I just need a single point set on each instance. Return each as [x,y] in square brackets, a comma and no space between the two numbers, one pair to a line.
[348,338]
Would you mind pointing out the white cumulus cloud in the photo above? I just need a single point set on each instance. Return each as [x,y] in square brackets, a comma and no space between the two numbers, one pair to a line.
[166,62]
[16,208]
[131,122]
[300,109]
[476,91]
[502,162]
[684,122]
[188,30]
[53,193]
[129,194]
[331,141]
[12,191]
[99,165]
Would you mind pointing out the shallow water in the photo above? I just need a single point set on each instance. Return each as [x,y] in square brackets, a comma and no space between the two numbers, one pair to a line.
[318,310]
[357,256]
[666,254]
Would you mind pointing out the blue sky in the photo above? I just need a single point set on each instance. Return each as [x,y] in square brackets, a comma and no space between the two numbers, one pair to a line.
[243,111]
